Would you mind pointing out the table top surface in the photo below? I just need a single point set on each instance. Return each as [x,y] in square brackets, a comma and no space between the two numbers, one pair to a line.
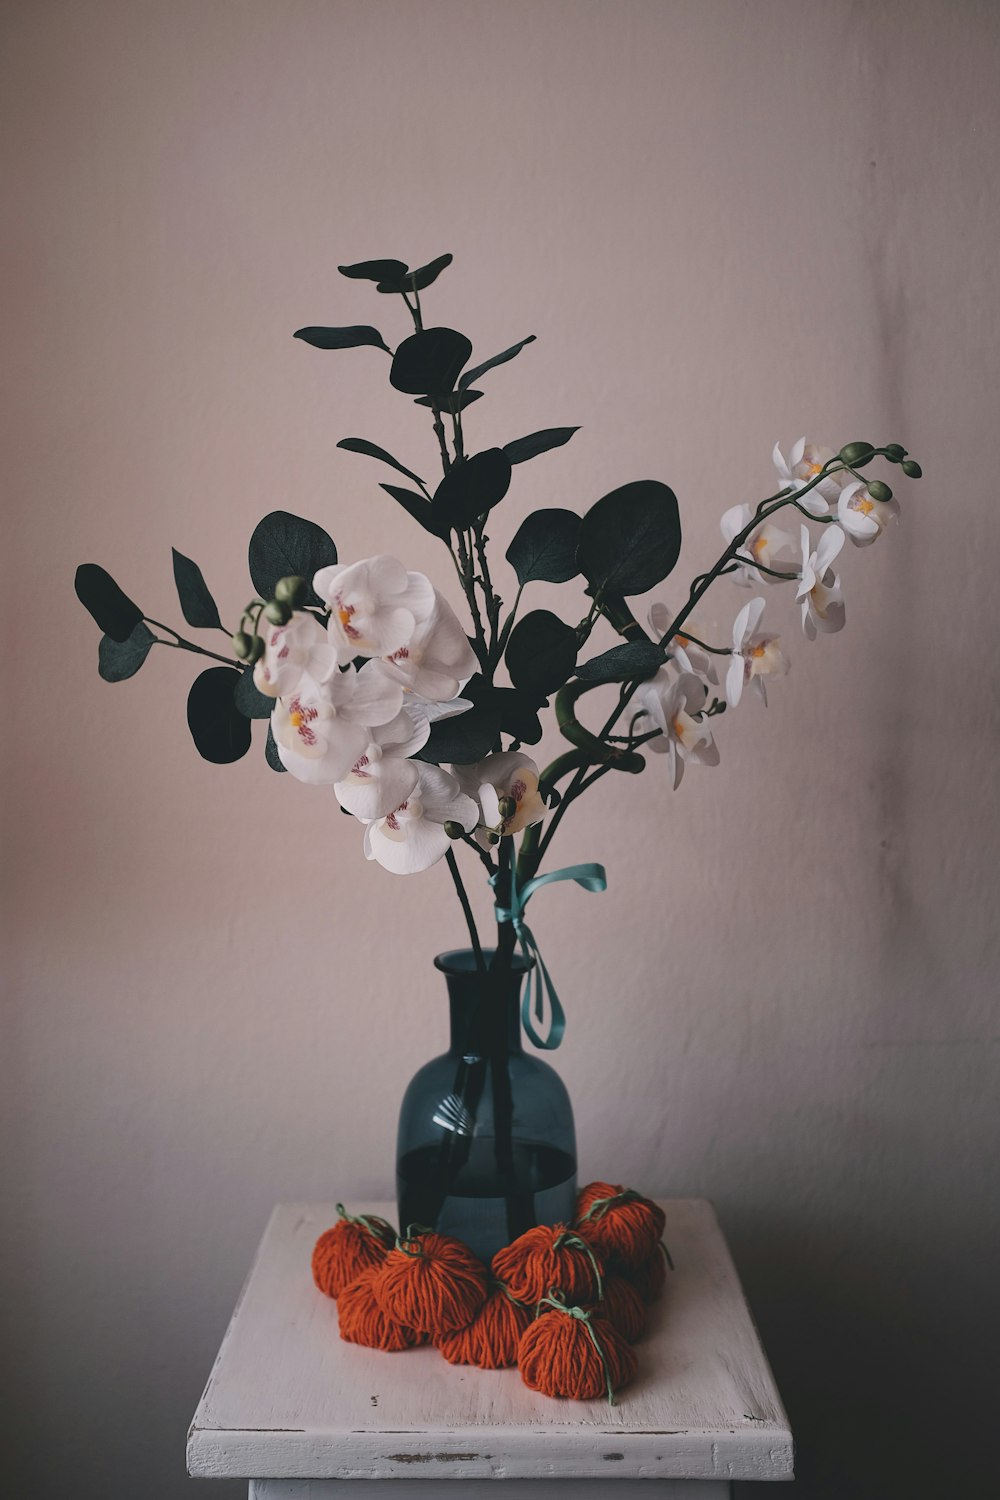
[287,1398]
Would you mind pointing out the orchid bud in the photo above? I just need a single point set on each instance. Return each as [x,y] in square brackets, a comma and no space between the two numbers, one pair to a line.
[277,612]
[911,468]
[242,644]
[256,649]
[879,491]
[508,807]
[856,454]
[894,452]
[492,837]
[290,590]
[454,830]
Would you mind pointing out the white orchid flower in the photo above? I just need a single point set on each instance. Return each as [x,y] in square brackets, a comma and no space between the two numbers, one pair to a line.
[411,837]
[673,704]
[384,776]
[756,654]
[688,656]
[374,605]
[819,589]
[805,461]
[769,545]
[437,660]
[863,518]
[509,774]
[322,730]
[292,651]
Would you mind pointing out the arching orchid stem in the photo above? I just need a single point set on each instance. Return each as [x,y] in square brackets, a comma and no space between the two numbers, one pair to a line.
[470,920]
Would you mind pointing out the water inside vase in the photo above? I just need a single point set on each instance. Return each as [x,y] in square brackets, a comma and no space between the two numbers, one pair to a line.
[467,1198]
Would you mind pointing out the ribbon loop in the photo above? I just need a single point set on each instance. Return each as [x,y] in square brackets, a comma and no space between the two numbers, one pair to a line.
[591,877]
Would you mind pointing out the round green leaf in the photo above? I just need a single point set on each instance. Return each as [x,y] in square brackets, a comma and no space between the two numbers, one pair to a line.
[471,488]
[251,702]
[197,604]
[544,548]
[284,546]
[117,660]
[635,659]
[113,610]
[541,653]
[220,732]
[468,736]
[631,539]
[428,363]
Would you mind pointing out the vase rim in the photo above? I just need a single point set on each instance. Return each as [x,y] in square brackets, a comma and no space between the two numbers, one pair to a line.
[458,961]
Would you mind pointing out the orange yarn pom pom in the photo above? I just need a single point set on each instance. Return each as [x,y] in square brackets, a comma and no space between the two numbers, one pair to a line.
[650,1278]
[619,1222]
[353,1245]
[570,1352]
[362,1321]
[622,1306]
[550,1257]
[431,1282]
[492,1338]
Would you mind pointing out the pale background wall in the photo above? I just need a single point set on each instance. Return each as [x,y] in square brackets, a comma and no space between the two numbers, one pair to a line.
[726,223]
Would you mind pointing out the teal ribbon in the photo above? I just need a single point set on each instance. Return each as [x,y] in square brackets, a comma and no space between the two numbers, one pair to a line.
[591,878]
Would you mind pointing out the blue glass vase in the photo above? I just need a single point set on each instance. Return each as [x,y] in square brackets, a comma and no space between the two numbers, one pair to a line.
[486,1145]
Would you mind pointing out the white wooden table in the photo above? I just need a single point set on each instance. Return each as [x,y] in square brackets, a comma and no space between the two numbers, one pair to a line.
[303,1416]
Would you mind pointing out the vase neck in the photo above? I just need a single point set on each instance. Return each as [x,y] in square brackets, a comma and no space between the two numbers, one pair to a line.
[482,1008]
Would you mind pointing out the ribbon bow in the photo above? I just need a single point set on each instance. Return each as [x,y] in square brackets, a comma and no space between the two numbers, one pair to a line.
[592,878]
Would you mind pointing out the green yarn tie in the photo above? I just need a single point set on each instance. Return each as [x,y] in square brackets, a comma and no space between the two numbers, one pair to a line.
[581,1315]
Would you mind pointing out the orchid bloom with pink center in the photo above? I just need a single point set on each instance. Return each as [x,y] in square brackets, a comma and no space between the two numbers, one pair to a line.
[384,776]
[292,651]
[675,705]
[411,837]
[322,730]
[507,775]
[863,518]
[437,660]
[756,655]
[375,605]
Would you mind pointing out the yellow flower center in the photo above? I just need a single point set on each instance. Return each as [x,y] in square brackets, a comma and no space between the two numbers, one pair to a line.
[864,505]
[344,615]
[758,652]
[297,718]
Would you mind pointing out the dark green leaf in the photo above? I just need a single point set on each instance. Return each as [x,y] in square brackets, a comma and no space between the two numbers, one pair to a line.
[424,275]
[471,376]
[375,270]
[271,752]
[541,653]
[117,660]
[342,338]
[630,540]
[251,702]
[635,659]
[428,363]
[544,548]
[103,599]
[471,488]
[457,401]
[538,442]
[420,509]
[519,714]
[284,546]
[220,732]
[468,736]
[372,450]
[197,604]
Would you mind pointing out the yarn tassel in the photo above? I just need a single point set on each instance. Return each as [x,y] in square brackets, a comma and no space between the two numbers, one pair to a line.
[620,1223]
[362,1321]
[430,1282]
[491,1340]
[354,1244]
[569,1351]
[550,1257]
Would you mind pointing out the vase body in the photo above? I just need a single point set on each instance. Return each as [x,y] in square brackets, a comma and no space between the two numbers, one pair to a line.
[486,1145]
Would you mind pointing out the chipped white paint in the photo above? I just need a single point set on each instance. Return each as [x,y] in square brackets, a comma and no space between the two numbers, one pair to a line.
[485,1489]
[288,1399]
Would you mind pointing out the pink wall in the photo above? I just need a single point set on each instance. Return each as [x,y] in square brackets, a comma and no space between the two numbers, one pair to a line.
[726,223]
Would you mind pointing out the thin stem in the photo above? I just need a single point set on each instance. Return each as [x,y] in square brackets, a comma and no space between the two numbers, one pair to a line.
[179,643]
[715,650]
[470,920]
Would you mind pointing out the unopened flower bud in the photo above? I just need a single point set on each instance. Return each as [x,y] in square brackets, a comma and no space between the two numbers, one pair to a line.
[256,649]
[856,454]
[894,452]
[290,590]
[508,807]
[911,468]
[879,491]
[242,644]
[492,837]
[454,830]
[277,612]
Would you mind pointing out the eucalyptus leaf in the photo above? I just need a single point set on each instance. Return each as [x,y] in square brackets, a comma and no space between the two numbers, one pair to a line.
[538,442]
[631,539]
[541,653]
[355,337]
[634,659]
[372,450]
[456,401]
[220,732]
[471,488]
[544,547]
[286,546]
[197,604]
[419,508]
[271,752]
[117,660]
[471,376]
[468,736]
[251,702]
[519,714]
[101,597]
[425,275]
[375,270]
[428,362]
